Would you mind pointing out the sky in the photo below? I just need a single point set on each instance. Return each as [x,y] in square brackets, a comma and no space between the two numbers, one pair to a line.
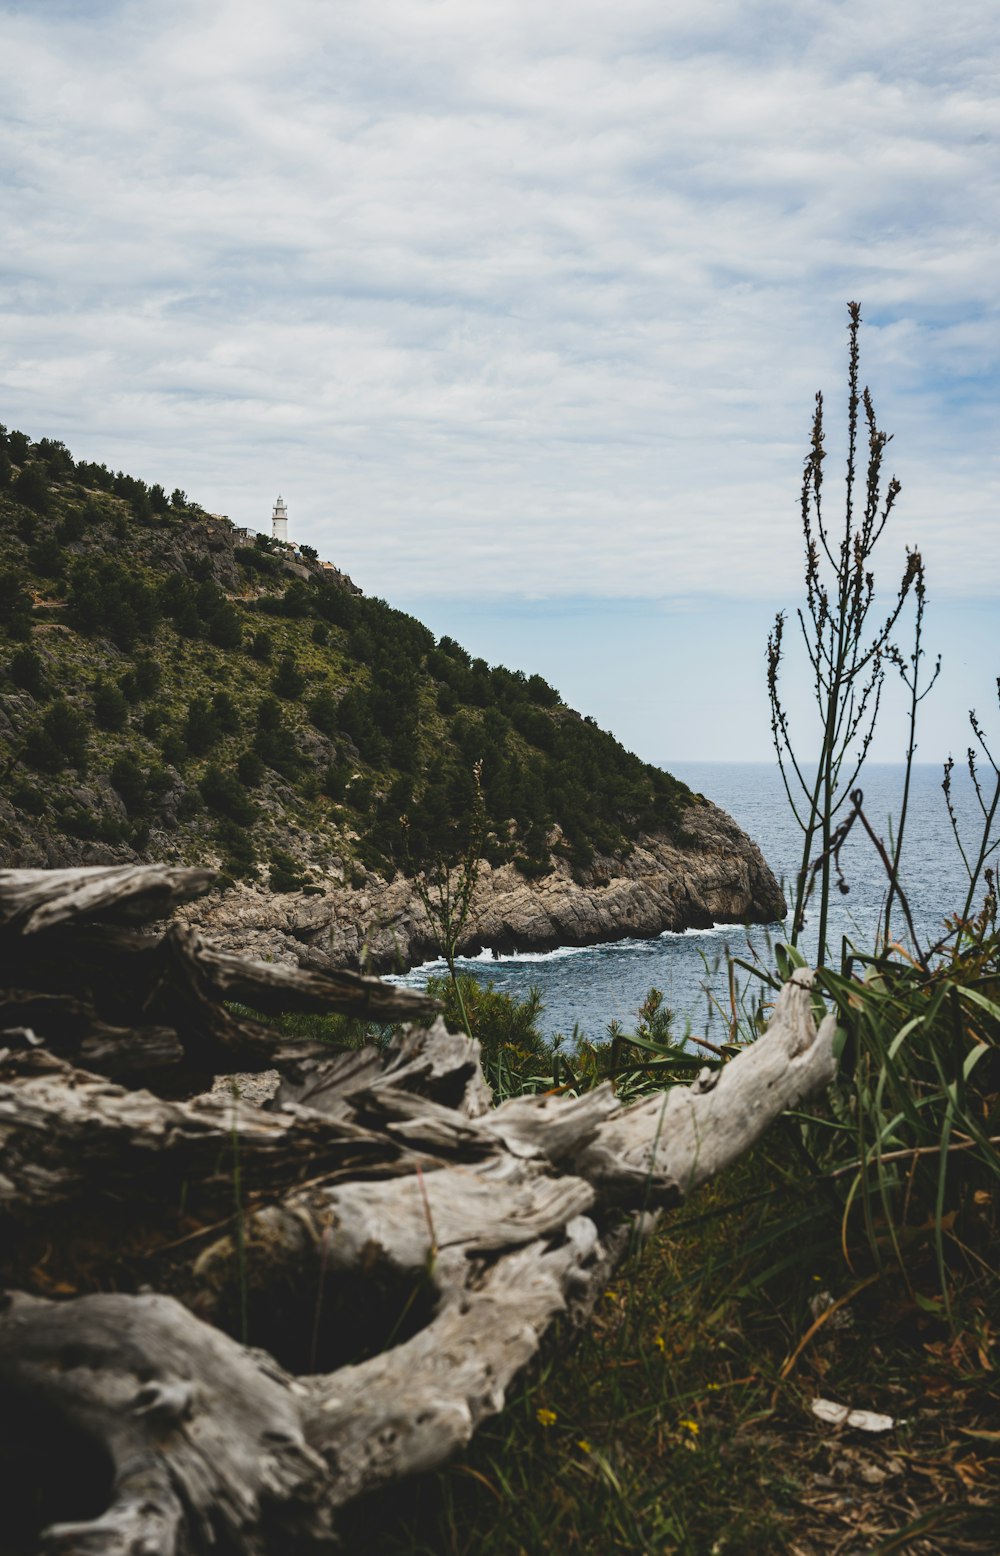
[523,308]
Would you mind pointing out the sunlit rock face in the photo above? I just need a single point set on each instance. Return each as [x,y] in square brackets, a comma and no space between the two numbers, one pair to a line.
[710,873]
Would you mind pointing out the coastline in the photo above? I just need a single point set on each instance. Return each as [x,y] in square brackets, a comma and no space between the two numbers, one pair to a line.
[711,874]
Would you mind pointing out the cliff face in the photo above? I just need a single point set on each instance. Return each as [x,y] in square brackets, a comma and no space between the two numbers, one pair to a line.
[716,874]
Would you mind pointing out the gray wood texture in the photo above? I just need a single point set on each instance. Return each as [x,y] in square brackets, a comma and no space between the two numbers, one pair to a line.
[251,1316]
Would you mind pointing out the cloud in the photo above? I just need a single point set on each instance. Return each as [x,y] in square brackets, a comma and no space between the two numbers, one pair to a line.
[510,300]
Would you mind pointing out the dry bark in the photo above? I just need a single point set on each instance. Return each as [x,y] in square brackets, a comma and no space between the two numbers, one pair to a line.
[308,1301]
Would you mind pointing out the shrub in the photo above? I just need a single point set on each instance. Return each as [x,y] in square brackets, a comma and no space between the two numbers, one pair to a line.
[46,557]
[15,605]
[110,707]
[27,671]
[296,600]
[154,719]
[284,874]
[335,780]
[201,730]
[77,822]
[28,797]
[238,847]
[71,527]
[128,778]
[225,794]
[359,792]
[225,713]
[60,741]
[515,1053]
[273,741]
[323,713]
[262,647]
[225,628]
[249,769]
[173,748]
[32,488]
[142,680]
[288,682]
[533,867]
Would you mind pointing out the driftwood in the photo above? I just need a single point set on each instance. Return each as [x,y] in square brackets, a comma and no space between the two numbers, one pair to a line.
[232,1321]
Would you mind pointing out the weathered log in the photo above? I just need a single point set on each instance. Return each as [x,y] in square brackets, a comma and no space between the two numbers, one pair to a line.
[399,1248]
[34,901]
[84,983]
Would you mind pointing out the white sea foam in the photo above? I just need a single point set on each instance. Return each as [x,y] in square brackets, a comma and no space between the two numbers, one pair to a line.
[587,985]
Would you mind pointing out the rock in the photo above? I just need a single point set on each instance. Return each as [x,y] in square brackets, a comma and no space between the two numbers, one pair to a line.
[712,873]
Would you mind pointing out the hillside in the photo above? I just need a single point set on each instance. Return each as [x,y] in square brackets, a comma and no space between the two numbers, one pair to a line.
[172,688]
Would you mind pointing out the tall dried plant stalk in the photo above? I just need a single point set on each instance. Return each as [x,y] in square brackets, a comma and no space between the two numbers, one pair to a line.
[846,649]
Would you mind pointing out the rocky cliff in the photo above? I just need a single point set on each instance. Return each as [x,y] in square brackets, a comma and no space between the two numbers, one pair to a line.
[713,873]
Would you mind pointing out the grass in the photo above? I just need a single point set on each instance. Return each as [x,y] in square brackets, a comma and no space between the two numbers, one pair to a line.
[681,1421]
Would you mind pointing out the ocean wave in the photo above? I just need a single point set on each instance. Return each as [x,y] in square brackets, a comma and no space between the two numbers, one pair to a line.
[488,958]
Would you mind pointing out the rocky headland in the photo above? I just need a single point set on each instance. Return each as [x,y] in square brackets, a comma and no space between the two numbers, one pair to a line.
[176,690]
[710,873]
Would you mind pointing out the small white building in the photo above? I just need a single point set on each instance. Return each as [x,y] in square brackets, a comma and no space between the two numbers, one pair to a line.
[279,521]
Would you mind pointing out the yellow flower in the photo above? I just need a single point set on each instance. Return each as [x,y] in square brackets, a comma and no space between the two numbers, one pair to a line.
[689,1425]
[660,1343]
[584,1445]
[545,1417]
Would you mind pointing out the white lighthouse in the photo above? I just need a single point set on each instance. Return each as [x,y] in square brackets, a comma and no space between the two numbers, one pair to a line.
[279,521]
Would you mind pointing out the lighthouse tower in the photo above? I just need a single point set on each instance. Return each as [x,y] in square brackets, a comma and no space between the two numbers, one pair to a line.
[279,521]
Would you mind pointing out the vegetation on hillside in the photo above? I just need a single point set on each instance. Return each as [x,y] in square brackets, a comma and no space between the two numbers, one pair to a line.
[170,688]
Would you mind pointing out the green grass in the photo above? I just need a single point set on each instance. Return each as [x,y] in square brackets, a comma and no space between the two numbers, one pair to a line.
[669,1427]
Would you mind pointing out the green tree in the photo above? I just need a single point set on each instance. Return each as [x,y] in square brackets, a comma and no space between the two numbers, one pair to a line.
[225,629]
[142,680]
[56,458]
[323,712]
[110,599]
[19,447]
[110,707]
[289,682]
[130,781]
[32,488]
[273,741]
[61,740]
[296,600]
[27,671]
[200,731]
[249,769]
[226,713]
[47,558]
[223,792]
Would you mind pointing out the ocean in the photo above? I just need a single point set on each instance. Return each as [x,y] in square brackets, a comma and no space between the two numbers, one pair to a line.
[583,988]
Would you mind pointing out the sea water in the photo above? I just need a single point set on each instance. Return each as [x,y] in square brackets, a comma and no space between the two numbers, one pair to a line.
[584,988]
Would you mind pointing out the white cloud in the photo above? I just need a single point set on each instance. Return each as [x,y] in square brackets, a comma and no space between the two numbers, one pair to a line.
[510,299]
